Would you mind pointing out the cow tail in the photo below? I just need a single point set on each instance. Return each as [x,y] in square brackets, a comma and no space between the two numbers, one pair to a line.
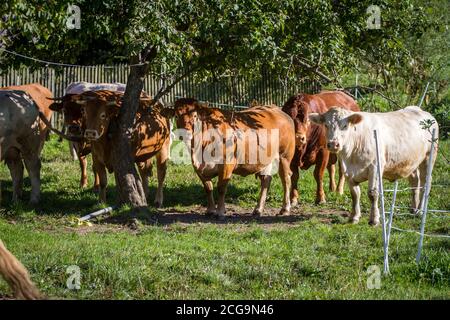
[17,276]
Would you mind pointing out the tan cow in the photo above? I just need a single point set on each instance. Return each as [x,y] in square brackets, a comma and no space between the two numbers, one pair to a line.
[150,137]
[404,150]
[17,276]
[243,142]
[23,134]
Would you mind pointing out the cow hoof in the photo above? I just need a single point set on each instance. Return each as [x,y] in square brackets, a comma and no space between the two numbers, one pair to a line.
[157,204]
[284,212]
[294,203]
[353,220]
[320,202]
[210,213]
[374,223]
[257,213]
[220,217]
[34,202]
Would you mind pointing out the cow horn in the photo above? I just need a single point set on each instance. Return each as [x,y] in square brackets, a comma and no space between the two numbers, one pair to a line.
[82,102]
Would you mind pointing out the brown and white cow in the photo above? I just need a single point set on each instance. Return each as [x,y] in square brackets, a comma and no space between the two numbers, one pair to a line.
[73,120]
[150,137]
[404,150]
[23,134]
[243,142]
[310,139]
[17,276]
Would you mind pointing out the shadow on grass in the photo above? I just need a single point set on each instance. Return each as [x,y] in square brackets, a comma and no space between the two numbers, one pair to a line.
[70,201]
[172,216]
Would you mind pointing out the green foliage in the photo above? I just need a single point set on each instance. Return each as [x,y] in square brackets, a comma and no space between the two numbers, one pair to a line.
[220,35]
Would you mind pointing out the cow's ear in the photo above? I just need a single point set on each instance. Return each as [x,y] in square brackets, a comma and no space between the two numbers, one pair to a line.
[168,112]
[316,118]
[355,118]
[56,106]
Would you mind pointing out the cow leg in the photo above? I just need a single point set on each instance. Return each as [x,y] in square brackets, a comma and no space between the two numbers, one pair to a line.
[414,183]
[319,170]
[15,165]
[103,179]
[285,175]
[83,167]
[162,159]
[73,150]
[423,179]
[33,165]
[222,183]
[331,173]
[294,185]
[145,169]
[340,188]
[372,192]
[96,178]
[265,185]
[355,191]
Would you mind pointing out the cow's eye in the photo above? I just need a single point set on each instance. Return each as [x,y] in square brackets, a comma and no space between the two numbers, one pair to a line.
[344,127]
[83,110]
[103,116]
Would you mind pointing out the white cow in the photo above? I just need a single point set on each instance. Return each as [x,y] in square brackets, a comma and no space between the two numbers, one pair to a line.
[404,149]
[83,86]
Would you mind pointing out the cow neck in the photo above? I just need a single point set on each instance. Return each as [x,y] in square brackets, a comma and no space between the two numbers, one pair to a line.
[356,142]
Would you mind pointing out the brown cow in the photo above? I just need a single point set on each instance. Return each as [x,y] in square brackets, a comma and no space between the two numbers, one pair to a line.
[23,134]
[75,127]
[73,120]
[17,276]
[150,137]
[228,135]
[310,139]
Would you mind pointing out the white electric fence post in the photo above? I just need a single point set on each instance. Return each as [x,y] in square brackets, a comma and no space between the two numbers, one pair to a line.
[426,196]
[391,214]
[424,94]
[383,217]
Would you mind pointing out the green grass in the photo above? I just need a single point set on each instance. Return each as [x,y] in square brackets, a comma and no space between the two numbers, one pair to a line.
[313,254]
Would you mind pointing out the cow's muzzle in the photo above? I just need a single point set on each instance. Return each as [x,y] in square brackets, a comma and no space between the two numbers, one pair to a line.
[300,139]
[91,134]
[333,146]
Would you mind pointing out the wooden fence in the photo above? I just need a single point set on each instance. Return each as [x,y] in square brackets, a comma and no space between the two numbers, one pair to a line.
[225,92]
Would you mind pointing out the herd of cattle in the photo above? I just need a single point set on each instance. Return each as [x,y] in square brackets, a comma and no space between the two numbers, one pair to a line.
[324,130]
[321,130]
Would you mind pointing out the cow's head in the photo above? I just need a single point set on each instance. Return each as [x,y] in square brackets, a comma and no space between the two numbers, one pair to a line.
[98,108]
[298,109]
[71,110]
[338,124]
[188,112]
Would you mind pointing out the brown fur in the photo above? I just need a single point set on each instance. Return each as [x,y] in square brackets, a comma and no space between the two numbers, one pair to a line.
[310,138]
[257,117]
[17,276]
[150,138]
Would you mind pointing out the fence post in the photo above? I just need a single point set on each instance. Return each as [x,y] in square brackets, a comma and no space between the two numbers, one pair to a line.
[424,94]
[391,214]
[426,195]
[383,217]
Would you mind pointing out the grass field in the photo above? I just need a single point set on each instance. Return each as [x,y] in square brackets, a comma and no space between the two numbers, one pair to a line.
[180,253]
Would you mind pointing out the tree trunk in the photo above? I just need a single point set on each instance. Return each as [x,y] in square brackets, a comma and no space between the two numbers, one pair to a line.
[128,182]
